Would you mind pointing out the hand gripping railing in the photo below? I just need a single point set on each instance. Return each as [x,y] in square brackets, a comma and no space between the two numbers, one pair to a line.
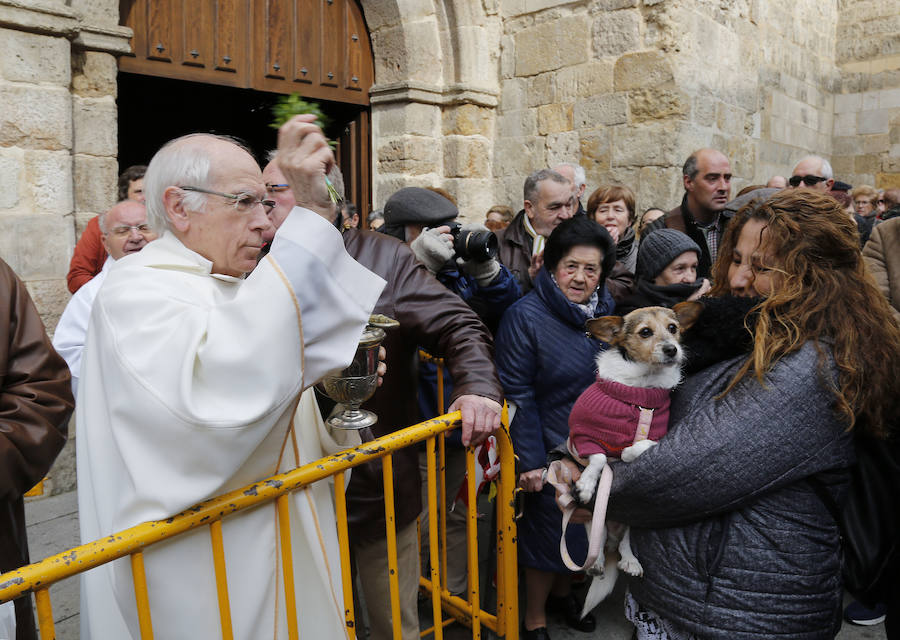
[40,576]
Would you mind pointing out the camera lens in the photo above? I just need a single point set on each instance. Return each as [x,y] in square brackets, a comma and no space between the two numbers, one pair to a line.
[479,246]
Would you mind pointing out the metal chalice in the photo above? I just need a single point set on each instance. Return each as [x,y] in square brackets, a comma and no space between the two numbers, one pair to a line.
[356,384]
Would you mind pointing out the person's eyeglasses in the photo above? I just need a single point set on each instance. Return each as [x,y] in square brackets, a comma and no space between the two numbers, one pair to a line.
[243,202]
[809,181]
[879,202]
[125,229]
[277,188]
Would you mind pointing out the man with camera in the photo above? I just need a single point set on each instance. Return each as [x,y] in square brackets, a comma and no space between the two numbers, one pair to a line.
[462,257]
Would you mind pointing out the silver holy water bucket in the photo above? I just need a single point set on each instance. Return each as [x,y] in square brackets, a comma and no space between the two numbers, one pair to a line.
[356,384]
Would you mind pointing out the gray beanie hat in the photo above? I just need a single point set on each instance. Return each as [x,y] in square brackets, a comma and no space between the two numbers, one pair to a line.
[659,248]
[414,205]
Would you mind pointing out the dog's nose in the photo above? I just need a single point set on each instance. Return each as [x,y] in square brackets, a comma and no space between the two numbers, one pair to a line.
[670,350]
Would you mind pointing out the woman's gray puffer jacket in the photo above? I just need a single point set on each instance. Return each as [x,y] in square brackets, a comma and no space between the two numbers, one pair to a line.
[733,540]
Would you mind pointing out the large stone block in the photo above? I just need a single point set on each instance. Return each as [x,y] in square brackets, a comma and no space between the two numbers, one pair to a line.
[845,124]
[517,124]
[877,143]
[887,180]
[596,151]
[411,52]
[102,13]
[616,32]
[94,74]
[37,247]
[466,157]
[468,120]
[650,143]
[95,126]
[513,94]
[650,104]
[96,181]
[847,145]
[473,197]
[584,80]
[542,90]
[48,176]
[35,117]
[554,118]
[730,119]
[50,297]
[889,99]
[601,110]
[412,118]
[870,164]
[388,184]
[409,154]
[551,45]
[32,58]
[11,170]
[842,165]
[644,69]
[563,147]
[659,187]
[517,157]
[873,121]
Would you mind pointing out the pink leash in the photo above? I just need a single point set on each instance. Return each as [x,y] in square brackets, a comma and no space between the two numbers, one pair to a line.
[566,501]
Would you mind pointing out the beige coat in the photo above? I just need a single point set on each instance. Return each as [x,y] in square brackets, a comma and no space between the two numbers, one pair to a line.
[882,255]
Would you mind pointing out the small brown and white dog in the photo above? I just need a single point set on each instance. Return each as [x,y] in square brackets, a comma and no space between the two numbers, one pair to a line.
[625,411]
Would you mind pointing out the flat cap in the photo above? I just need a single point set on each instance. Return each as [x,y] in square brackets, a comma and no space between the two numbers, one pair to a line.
[414,205]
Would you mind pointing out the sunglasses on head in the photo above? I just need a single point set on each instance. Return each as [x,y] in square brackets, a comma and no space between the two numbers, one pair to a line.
[809,181]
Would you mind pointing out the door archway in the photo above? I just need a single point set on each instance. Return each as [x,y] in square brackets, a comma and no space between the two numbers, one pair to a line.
[225,62]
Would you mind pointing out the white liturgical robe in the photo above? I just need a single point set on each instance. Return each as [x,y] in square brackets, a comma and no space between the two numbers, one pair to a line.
[71,330]
[189,383]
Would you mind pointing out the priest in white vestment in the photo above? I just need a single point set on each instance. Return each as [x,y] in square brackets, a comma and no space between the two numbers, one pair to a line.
[190,381]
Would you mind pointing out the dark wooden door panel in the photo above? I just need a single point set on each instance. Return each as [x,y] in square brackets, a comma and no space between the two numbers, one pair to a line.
[307,51]
[161,26]
[277,35]
[231,22]
[196,43]
[332,33]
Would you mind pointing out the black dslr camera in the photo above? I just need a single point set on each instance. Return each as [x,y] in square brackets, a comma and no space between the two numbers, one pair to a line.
[479,246]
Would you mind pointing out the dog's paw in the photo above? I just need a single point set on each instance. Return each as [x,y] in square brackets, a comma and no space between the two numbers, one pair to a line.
[586,486]
[631,566]
[630,454]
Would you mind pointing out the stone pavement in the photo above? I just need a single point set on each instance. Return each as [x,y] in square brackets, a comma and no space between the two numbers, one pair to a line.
[53,527]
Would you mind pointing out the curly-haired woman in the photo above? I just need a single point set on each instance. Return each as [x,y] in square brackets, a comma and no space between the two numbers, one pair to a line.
[734,540]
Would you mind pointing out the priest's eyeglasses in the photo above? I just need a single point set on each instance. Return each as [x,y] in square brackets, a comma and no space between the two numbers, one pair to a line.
[243,202]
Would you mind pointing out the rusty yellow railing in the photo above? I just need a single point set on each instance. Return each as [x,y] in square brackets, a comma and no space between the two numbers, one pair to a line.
[40,576]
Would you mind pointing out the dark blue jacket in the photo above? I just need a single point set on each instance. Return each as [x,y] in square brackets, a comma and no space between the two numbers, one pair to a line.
[733,539]
[545,360]
[489,303]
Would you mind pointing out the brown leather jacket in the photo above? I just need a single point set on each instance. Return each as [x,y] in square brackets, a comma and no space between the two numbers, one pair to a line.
[35,404]
[431,317]
[515,255]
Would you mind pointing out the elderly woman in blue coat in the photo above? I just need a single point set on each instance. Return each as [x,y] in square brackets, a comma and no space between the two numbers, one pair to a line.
[545,360]
[734,539]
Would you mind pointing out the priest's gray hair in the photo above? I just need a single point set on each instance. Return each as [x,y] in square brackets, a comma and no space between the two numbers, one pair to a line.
[180,162]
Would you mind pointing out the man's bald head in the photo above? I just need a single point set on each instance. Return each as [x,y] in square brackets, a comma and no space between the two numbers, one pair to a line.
[125,229]
[707,181]
[813,172]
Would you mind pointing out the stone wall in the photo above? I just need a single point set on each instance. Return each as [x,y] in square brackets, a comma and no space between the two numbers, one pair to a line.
[57,134]
[867,104]
[628,88]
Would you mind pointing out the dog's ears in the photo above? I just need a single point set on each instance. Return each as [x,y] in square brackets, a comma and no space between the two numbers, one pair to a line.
[606,328]
[687,313]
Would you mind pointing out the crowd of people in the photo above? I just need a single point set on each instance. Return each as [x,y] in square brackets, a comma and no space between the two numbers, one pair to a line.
[210,299]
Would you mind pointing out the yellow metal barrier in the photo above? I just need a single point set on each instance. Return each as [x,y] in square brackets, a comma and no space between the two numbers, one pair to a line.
[40,576]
